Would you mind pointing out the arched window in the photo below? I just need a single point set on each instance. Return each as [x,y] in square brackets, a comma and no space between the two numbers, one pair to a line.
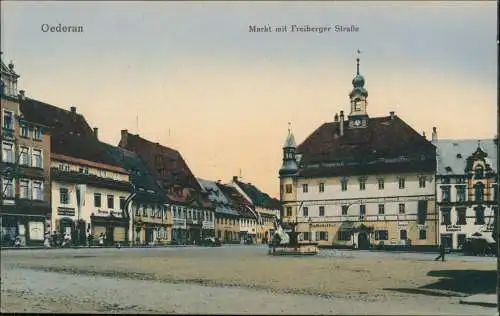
[479,192]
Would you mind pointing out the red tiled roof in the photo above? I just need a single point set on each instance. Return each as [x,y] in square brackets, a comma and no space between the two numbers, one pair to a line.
[70,133]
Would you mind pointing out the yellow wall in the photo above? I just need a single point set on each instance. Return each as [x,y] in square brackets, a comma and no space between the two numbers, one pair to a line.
[226,224]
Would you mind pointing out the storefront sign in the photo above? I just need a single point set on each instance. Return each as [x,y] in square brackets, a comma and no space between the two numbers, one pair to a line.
[36,230]
[453,228]
[402,224]
[65,211]
[116,213]
[488,228]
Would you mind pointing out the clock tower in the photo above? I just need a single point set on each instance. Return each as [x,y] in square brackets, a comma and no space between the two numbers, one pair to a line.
[358,118]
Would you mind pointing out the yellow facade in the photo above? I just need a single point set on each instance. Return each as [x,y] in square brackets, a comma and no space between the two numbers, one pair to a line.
[393,228]
[227,229]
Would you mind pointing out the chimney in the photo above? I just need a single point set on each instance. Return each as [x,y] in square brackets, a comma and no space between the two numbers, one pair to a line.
[391,114]
[96,132]
[218,181]
[434,134]
[341,123]
[235,178]
[21,94]
[423,134]
[73,109]
[336,119]
[123,140]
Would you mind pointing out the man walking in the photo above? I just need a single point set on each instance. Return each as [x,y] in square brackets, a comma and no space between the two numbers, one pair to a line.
[441,253]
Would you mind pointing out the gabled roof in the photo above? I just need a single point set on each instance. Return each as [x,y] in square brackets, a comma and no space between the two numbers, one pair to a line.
[166,164]
[70,133]
[242,206]
[217,197]
[452,154]
[143,180]
[258,197]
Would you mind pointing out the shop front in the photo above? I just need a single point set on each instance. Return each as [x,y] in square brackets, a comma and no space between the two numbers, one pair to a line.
[194,232]
[113,229]
[29,223]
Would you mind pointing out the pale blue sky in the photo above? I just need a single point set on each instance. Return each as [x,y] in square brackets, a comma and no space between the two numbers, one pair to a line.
[180,66]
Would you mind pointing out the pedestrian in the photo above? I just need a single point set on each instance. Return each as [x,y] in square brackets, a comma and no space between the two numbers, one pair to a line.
[46,241]
[17,241]
[101,240]
[441,253]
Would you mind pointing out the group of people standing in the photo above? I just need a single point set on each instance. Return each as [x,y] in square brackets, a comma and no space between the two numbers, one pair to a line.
[63,239]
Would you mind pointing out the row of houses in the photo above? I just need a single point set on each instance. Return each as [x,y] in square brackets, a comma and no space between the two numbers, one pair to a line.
[57,176]
[369,181]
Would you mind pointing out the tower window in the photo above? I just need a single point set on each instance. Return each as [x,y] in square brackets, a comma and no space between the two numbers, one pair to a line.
[288,211]
[288,188]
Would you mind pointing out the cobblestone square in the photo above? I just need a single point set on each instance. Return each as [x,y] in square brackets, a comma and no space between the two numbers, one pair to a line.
[239,279]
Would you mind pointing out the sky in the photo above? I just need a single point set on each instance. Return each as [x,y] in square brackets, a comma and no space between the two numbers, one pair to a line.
[192,77]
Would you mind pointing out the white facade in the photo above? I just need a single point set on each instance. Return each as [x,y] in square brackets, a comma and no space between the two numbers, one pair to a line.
[464,212]
[414,187]
[93,200]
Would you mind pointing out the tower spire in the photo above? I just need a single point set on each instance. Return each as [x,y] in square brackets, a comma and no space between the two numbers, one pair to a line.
[289,128]
[357,62]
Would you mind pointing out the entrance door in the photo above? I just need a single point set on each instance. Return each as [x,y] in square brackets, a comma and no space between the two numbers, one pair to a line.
[446,240]
[149,235]
[363,242]
[110,235]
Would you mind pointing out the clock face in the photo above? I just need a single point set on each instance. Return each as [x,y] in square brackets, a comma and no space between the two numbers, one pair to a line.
[357,122]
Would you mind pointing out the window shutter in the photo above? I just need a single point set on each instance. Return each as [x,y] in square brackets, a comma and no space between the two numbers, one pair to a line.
[326,236]
[317,236]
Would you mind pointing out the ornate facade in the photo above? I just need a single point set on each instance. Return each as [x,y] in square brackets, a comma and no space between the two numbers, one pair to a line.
[467,189]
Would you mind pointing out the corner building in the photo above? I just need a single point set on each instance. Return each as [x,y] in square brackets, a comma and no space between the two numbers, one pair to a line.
[361,181]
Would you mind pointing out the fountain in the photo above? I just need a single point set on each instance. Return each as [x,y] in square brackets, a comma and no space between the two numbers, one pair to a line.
[287,243]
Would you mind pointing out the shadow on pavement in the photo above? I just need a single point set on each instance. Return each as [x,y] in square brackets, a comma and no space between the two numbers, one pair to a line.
[456,283]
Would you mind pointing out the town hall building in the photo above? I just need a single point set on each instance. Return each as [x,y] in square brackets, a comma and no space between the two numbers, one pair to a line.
[361,181]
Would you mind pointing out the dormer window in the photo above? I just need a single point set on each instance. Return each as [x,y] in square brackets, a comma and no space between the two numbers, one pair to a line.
[448,169]
[479,172]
